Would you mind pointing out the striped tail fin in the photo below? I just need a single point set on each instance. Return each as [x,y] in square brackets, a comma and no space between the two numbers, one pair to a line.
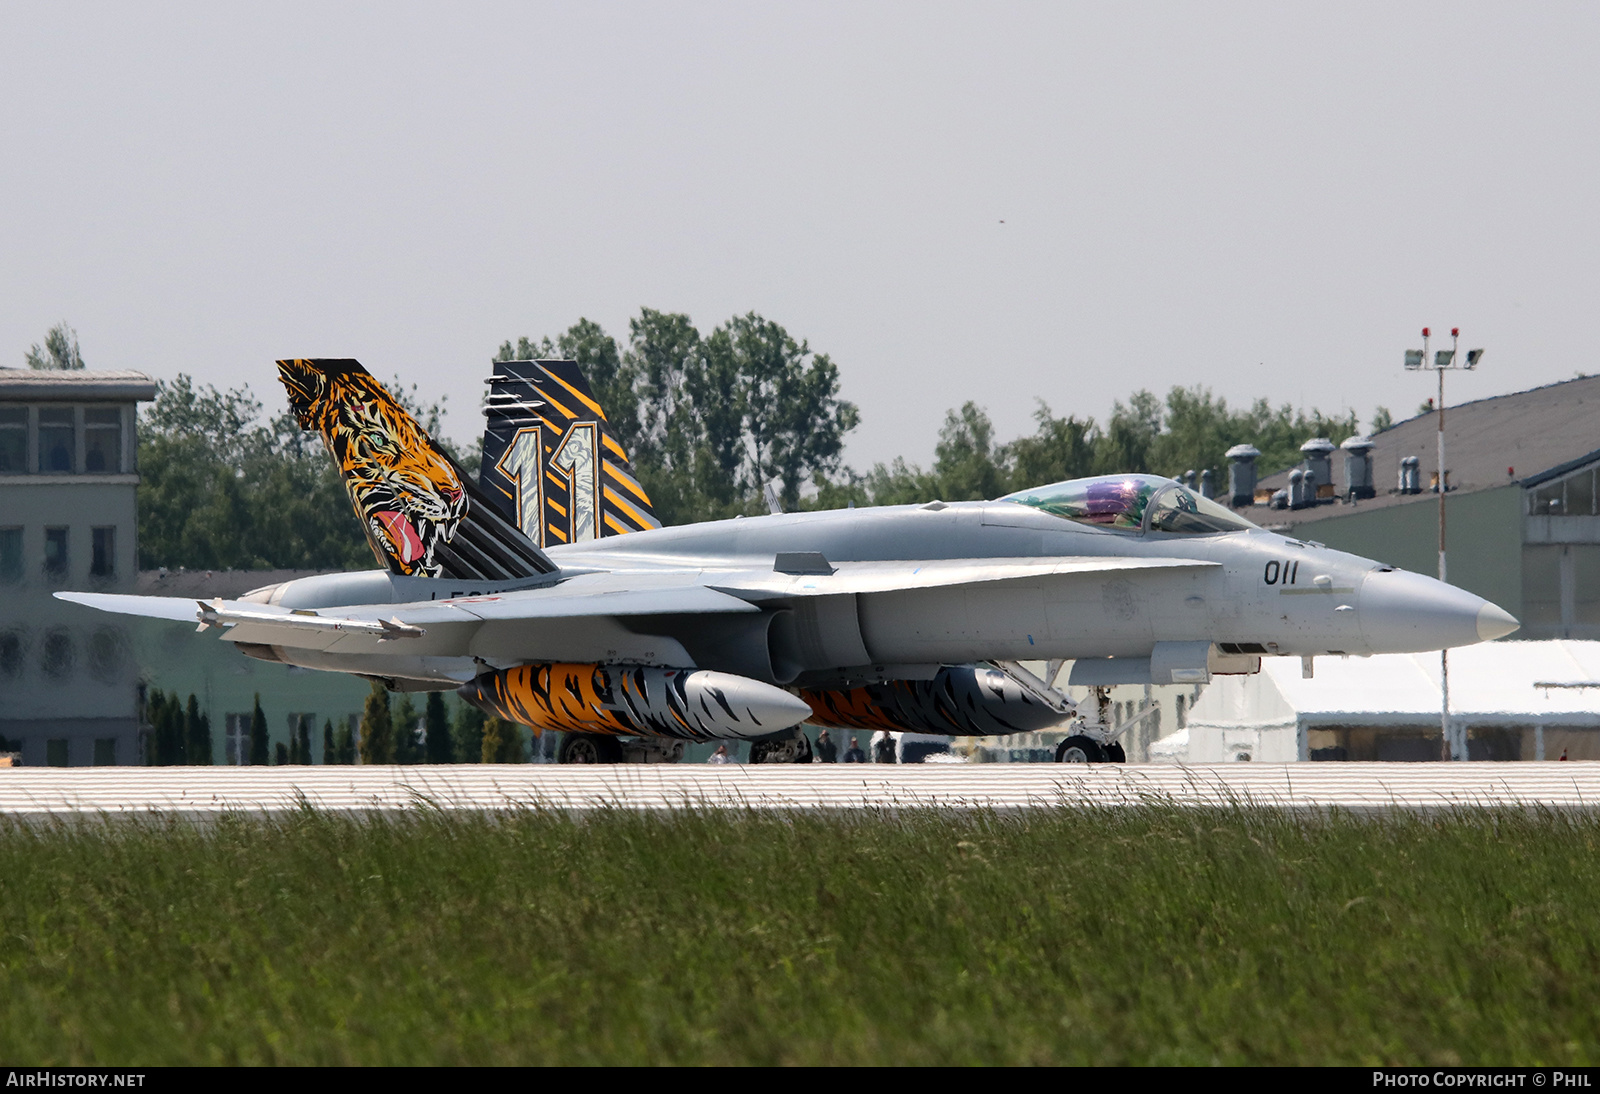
[421,513]
[551,464]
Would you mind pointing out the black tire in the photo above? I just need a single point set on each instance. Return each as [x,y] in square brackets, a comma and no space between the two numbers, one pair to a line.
[1081,750]
[771,752]
[1115,753]
[589,748]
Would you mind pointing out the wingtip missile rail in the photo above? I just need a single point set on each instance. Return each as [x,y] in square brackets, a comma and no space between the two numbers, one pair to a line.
[216,614]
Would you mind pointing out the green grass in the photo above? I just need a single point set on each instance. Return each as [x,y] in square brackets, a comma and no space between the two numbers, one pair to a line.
[1155,935]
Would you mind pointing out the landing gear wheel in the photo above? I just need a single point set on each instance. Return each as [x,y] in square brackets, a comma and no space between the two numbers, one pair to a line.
[1115,753]
[1081,750]
[589,748]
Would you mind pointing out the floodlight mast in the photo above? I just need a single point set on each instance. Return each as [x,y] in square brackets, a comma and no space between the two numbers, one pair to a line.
[1443,360]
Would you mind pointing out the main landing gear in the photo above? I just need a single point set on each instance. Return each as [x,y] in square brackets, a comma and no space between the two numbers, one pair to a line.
[589,748]
[795,750]
[1095,742]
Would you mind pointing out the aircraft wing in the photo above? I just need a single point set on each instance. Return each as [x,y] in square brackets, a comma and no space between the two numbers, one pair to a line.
[557,618]
[896,576]
[273,625]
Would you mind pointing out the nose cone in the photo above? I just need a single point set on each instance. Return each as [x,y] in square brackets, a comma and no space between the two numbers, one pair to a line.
[1495,622]
[1409,613]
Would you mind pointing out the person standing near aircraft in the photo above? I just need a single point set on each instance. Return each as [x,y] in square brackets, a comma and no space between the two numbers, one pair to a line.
[827,751]
[853,754]
[883,748]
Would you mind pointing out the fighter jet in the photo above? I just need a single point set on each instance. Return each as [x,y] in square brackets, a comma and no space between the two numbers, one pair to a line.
[548,594]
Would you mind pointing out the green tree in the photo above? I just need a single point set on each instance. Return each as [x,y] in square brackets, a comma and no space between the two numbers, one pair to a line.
[502,742]
[330,749]
[407,749]
[771,410]
[664,349]
[304,740]
[197,734]
[166,729]
[377,731]
[60,350]
[709,422]
[280,754]
[346,753]
[437,740]
[966,463]
[1130,435]
[221,488]
[468,734]
[258,734]
[1060,449]
[1382,419]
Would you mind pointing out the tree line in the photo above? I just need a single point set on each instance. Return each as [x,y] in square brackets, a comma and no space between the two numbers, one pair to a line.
[1188,431]
[391,731]
[709,419]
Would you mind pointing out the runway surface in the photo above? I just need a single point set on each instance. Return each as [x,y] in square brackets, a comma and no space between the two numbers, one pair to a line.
[1356,786]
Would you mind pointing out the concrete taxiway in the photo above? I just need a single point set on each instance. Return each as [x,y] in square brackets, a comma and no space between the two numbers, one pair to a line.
[1362,787]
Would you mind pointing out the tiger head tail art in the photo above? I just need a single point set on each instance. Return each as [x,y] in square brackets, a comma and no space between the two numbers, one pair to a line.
[409,495]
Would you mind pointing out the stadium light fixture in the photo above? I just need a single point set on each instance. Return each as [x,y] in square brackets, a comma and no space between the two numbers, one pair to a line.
[1443,360]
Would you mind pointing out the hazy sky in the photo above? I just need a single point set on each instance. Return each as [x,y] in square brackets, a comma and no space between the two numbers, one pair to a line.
[984,201]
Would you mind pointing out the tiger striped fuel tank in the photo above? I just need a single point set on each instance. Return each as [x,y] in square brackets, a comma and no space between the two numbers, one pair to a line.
[961,701]
[635,700]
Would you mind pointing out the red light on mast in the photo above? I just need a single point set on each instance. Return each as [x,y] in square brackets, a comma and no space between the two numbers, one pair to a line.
[1424,332]
[1455,332]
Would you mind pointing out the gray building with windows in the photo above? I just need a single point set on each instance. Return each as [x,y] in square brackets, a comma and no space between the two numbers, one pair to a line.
[68,479]
[1522,504]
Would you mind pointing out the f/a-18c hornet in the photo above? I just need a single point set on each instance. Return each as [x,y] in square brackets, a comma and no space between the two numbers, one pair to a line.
[548,594]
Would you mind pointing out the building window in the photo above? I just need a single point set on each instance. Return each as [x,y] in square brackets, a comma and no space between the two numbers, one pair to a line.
[55,752]
[10,654]
[1573,496]
[58,439]
[236,747]
[107,654]
[102,440]
[104,563]
[13,440]
[58,655]
[55,552]
[105,752]
[10,555]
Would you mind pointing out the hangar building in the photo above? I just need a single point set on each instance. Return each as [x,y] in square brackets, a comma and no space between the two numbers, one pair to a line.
[1522,508]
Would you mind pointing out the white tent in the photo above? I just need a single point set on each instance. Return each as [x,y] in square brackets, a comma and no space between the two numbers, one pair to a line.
[1516,700]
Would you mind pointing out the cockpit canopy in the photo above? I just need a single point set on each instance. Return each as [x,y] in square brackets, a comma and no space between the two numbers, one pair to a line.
[1135,503]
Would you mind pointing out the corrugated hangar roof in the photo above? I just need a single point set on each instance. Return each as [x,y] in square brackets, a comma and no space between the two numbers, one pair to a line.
[1507,439]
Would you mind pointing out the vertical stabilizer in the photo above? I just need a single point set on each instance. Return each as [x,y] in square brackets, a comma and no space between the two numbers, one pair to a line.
[421,514]
[551,464]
